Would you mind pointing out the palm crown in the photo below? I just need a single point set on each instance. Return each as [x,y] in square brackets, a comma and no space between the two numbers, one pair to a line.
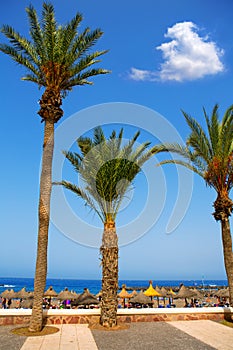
[57,57]
[107,168]
[208,154]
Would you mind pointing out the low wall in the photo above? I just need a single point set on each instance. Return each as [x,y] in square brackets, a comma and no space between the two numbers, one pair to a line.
[22,316]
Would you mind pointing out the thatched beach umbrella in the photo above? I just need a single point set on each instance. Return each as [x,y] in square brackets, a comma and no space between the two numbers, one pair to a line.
[86,298]
[66,295]
[197,294]
[50,292]
[141,299]
[223,293]
[151,292]
[158,290]
[8,294]
[184,293]
[23,294]
[171,293]
[124,294]
[99,295]
[164,294]
[133,294]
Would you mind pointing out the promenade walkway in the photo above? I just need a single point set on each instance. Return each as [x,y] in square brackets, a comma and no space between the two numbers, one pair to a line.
[177,335]
[70,337]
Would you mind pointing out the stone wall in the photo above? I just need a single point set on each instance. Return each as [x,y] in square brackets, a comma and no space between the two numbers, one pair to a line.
[51,317]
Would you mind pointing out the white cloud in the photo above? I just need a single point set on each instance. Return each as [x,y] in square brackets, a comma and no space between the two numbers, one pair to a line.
[187,56]
[140,75]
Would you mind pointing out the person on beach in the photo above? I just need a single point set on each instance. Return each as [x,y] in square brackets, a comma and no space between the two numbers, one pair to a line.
[4,303]
[9,302]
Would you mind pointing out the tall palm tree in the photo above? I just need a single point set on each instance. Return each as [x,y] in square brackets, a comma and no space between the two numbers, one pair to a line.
[107,168]
[210,155]
[57,58]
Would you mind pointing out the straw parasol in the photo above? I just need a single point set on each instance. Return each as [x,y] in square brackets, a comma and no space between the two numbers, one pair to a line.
[66,295]
[184,293]
[133,294]
[8,294]
[124,294]
[171,293]
[163,292]
[223,293]
[86,298]
[197,294]
[50,292]
[141,299]
[99,295]
[23,294]
[151,292]
[158,290]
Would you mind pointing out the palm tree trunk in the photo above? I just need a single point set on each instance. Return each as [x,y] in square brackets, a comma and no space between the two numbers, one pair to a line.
[44,214]
[228,255]
[109,252]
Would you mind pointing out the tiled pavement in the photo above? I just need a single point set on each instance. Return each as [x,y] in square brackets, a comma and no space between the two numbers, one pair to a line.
[201,334]
[212,333]
[70,337]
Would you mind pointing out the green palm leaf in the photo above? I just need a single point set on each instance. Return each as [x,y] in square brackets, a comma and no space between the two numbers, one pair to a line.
[107,169]
[57,57]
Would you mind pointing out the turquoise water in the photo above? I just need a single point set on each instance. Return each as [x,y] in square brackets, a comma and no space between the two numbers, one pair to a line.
[95,285]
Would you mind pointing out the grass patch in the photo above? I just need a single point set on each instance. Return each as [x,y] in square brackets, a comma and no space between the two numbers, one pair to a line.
[25,331]
[227,323]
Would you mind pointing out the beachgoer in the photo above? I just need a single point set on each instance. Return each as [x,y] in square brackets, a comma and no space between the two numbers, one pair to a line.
[9,303]
[4,303]
[68,304]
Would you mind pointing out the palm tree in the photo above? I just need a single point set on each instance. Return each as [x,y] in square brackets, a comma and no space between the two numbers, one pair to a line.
[107,167]
[210,155]
[57,58]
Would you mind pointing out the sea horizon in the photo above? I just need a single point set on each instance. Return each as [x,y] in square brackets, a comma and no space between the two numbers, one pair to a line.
[94,285]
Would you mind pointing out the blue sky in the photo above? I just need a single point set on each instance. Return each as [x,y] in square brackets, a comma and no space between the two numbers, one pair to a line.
[164,56]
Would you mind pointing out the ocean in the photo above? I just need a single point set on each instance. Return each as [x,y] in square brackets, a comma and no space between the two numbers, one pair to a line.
[95,285]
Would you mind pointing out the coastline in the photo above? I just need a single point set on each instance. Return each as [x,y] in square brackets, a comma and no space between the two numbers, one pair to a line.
[95,285]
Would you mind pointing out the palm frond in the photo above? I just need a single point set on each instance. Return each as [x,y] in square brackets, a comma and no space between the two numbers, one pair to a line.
[49,27]
[226,134]
[81,79]
[68,35]
[57,54]
[21,45]
[183,163]
[107,168]
[36,33]
[82,194]
[213,129]
[19,58]
[82,43]
[73,159]
[85,145]
[98,137]
[33,78]
[198,139]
